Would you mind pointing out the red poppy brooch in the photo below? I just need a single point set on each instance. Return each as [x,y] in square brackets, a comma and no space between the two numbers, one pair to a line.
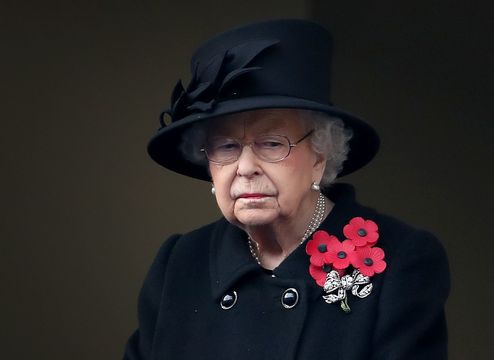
[339,267]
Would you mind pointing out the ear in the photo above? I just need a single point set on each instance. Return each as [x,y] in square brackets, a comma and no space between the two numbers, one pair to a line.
[318,167]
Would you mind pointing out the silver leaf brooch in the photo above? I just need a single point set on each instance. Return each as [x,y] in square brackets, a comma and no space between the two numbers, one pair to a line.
[346,266]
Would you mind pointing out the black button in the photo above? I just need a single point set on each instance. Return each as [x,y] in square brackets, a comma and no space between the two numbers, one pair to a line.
[289,298]
[229,300]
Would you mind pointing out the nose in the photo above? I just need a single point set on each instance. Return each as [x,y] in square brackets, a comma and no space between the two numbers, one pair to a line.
[248,163]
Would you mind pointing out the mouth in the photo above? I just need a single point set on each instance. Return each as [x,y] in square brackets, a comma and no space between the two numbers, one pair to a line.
[253,196]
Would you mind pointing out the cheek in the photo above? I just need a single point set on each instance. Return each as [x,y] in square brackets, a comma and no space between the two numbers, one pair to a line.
[291,194]
[293,178]
[222,180]
[225,203]
[293,184]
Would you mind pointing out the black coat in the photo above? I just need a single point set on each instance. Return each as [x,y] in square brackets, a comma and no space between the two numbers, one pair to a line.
[180,316]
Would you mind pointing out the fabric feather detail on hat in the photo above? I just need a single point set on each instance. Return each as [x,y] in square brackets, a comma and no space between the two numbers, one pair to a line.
[210,81]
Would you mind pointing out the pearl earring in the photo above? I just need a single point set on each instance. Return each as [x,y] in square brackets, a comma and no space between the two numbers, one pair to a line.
[213,190]
[315,186]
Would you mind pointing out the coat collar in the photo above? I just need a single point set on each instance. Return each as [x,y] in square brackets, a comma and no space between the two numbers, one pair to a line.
[231,260]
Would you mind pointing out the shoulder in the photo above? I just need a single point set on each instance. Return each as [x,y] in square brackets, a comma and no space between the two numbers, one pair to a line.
[412,291]
[193,242]
[410,253]
[416,260]
[395,236]
[410,249]
[203,234]
[399,236]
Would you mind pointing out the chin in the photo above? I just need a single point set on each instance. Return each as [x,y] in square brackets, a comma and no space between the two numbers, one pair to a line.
[256,217]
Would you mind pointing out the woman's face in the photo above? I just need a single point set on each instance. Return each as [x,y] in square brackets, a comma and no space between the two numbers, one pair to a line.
[252,192]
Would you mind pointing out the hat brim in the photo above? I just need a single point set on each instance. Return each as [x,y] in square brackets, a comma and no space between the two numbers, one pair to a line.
[164,146]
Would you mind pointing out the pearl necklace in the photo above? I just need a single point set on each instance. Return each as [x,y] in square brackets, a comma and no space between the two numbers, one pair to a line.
[314,223]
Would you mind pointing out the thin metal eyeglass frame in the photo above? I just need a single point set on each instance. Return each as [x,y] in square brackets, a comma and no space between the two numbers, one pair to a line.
[290,146]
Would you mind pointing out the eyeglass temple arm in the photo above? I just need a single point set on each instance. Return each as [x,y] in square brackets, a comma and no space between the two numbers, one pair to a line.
[302,139]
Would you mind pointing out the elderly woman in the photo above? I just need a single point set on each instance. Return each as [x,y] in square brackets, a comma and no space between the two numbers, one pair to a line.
[296,268]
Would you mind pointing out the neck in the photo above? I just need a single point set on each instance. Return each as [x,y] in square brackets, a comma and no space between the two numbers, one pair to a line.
[271,244]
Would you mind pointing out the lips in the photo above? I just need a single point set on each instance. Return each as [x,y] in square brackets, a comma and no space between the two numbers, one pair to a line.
[252,196]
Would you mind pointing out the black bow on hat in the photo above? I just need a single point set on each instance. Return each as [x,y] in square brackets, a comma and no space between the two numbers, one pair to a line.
[210,83]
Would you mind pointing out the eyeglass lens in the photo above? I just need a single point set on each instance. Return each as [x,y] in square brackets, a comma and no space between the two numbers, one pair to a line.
[268,148]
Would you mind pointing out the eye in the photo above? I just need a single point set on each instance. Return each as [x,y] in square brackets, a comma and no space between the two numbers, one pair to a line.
[270,143]
[224,145]
[227,147]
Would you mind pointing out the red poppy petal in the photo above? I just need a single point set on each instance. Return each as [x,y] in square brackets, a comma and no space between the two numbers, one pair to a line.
[371,243]
[379,266]
[329,257]
[316,271]
[312,247]
[367,270]
[333,238]
[309,248]
[318,274]
[341,263]
[372,236]
[356,260]
[357,221]
[377,253]
[317,259]
[366,250]
[359,241]
[347,246]
[333,242]
[370,226]
[349,231]
[321,235]
[321,281]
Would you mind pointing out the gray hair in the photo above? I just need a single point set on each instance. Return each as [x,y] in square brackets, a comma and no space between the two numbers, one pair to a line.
[330,138]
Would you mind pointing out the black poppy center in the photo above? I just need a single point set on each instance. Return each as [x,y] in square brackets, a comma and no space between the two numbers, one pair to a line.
[341,254]
[368,261]
[322,248]
[362,232]
[326,268]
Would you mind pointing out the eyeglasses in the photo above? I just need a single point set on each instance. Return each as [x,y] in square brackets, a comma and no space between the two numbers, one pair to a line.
[270,148]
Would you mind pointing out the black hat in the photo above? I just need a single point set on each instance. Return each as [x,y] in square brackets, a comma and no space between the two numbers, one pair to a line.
[272,64]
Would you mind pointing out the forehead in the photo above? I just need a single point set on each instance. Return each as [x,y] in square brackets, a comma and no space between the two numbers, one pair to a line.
[279,121]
